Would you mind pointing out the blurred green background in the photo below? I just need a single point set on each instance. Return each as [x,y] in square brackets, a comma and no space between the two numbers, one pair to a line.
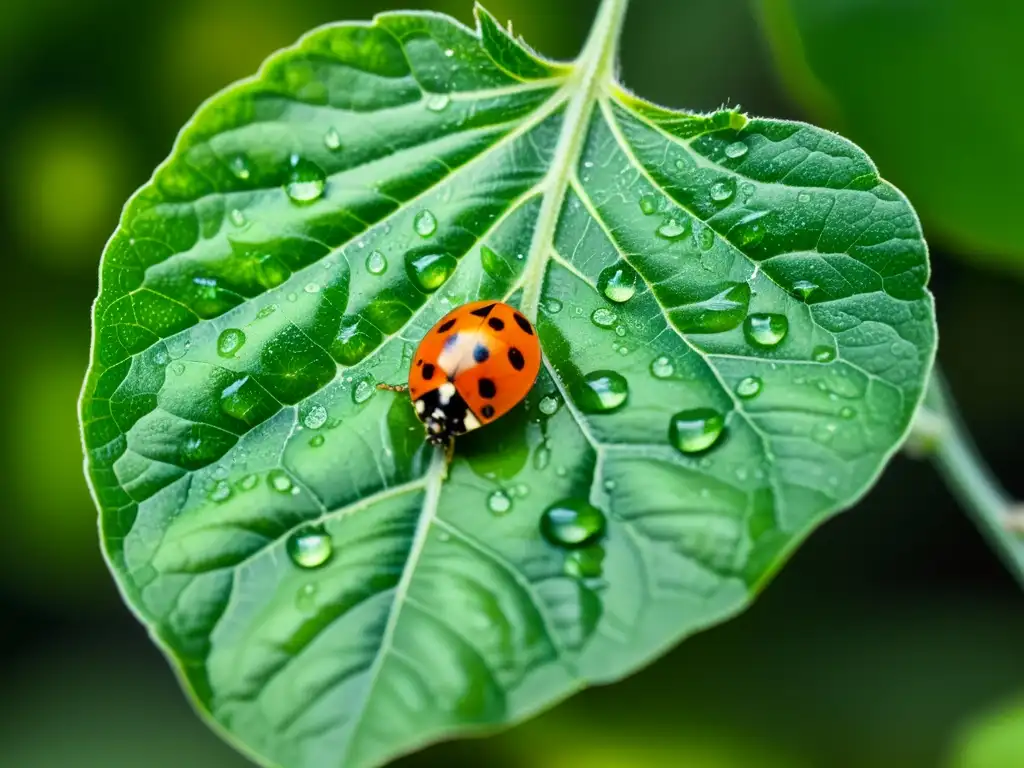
[893,638]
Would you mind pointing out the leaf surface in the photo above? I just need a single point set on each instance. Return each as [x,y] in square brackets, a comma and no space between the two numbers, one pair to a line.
[736,330]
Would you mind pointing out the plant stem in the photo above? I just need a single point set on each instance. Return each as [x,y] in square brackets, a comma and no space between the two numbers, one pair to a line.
[970,479]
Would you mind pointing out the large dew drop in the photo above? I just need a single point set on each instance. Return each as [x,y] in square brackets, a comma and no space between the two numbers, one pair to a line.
[430,270]
[617,282]
[229,342]
[601,392]
[696,430]
[306,181]
[572,523]
[499,502]
[425,223]
[749,388]
[310,547]
[376,263]
[765,330]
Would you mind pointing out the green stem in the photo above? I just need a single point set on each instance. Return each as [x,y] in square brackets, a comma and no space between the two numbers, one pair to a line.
[970,479]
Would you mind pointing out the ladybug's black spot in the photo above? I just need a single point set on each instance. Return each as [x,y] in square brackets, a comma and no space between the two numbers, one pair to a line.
[487,388]
[523,323]
[446,326]
[496,324]
[487,411]
[483,311]
[516,358]
[428,371]
[480,353]
[419,362]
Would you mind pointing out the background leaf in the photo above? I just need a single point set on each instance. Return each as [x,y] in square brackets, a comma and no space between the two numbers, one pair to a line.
[927,99]
[736,327]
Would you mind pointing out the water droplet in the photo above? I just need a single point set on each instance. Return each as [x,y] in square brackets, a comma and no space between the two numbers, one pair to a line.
[603,317]
[572,523]
[364,390]
[749,388]
[316,441]
[305,600]
[279,480]
[237,218]
[648,204]
[425,223]
[499,502]
[848,413]
[312,288]
[617,283]
[804,197]
[824,354]
[221,492]
[696,430]
[310,547]
[804,288]
[671,229]
[178,368]
[239,166]
[376,263]
[248,482]
[750,230]
[662,368]
[429,271]
[723,190]
[315,417]
[549,405]
[230,341]
[601,392]
[736,149]
[306,182]
[715,314]
[332,140]
[553,306]
[542,457]
[438,102]
[494,265]
[448,52]
[703,235]
[765,330]
[585,563]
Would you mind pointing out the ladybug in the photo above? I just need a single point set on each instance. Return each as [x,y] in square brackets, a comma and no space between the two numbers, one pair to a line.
[476,364]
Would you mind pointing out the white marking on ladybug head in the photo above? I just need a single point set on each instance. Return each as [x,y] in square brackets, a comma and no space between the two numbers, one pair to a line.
[446,392]
[420,407]
[470,422]
[438,414]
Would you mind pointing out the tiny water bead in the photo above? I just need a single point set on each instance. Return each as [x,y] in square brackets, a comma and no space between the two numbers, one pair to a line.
[332,140]
[721,191]
[662,368]
[696,430]
[804,197]
[429,271]
[749,388]
[239,166]
[376,263]
[648,205]
[438,102]
[601,392]
[494,265]
[316,441]
[230,341]
[750,230]
[804,289]
[848,413]
[671,229]
[499,502]
[603,317]
[306,181]
[248,482]
[617,283]
[364,390]
[315,417]
[549,405]
[310,547]
[553,306]
[824,354]
[704,236]
[765,330]
[237,218]
[425,223]
[542,457]
[736,149]
[305,600]
[279,480]
[572,523]
[221,492]
[587,563]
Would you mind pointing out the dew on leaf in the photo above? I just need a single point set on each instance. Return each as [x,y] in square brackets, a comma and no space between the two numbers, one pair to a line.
[429,271]
[279,480]
[736,149]
[671,229]
[310,547]
[749,388]
[365,389]
[315,417]
[239,167]
[749,231]
[332,139]
[572,523]
[499,502]
[765,330]
[662,368]
[648,205]
[804,288]
[230,341]
[586,563]
[237,218]
[306,181]
[723,190]
[696,430]
[425,223]
[549,405]
[804,197]
[221,491]
[601,392]
[848,413]
[703,235]
[552,306]
[603,317]
[823,354]
[617,283]
[438,102]
[248,482]
[542,457]
[316,441]
[376,263]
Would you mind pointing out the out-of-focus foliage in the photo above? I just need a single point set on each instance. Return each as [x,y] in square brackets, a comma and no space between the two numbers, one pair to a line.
[929,88]
[994,740]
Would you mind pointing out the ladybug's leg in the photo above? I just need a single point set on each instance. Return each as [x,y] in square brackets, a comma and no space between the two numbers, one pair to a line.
[393,387]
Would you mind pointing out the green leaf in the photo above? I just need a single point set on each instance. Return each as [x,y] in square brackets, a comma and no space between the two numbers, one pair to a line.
[736,330]
[993,740]
[923,87]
